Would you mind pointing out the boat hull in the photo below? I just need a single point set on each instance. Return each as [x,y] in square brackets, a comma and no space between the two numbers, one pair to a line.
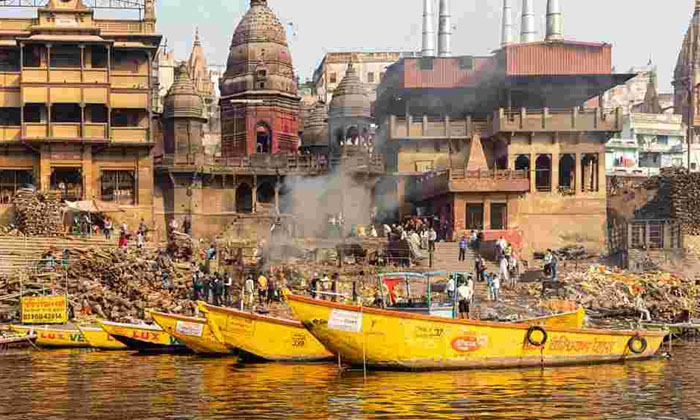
[98,338]
[144,338]
[54,337]
[268,338]
[193,332]
[17,341]
[391,340]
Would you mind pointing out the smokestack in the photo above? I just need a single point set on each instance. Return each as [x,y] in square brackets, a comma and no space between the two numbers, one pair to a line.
[507,34]
[555,30]
[445,31]
[428,29]
[527,31]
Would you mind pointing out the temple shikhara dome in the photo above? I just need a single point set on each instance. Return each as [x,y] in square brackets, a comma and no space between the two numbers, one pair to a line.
[260,108]
[350,99]
[183,100]
[259,58]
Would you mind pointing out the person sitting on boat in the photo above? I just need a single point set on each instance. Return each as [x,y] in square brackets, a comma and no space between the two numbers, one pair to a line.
[641,307]
[464,295]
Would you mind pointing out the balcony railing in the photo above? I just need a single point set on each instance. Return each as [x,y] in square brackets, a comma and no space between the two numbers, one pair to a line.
[572,120]
[10,133]
[284,163]
[462,180]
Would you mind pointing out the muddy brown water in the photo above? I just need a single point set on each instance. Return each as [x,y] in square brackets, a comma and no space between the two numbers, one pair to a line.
[81,384]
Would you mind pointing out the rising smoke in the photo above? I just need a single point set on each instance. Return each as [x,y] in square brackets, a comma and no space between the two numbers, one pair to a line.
[315,200]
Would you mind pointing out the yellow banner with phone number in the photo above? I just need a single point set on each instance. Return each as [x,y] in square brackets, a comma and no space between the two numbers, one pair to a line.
[45,310]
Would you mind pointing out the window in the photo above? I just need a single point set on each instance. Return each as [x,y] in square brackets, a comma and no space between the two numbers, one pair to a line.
[11,181]
[370,77]
[65,57]
[499,216]
[332,78]
[262,73]
[693,166]
[32,55]
[9,59]
[97,114]
[119,187]
[662,140]
[69,182]
[475,216]
[99,56]
[34,113]
[466,63]
[426,63]
[10,117]
[543,175]
[65,113]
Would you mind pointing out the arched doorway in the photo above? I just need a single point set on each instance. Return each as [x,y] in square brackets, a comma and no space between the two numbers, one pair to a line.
[567,172]
[543,177]
[352,136]
[263,136]
[244,199]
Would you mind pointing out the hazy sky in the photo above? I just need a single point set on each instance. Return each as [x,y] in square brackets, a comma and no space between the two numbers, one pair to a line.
[638,29]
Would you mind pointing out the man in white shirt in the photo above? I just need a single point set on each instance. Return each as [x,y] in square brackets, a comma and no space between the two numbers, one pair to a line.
[451,289]
[432,237]
[464,295]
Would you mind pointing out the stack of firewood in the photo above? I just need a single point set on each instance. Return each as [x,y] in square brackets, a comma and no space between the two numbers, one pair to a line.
[181,246]
[113,284]
[38,213]
[685,198]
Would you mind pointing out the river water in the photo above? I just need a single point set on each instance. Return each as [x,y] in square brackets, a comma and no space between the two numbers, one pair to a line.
[79,384]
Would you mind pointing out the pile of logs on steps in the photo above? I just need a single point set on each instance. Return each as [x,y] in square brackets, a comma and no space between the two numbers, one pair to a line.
[112,284]
[685,198]
[39,213]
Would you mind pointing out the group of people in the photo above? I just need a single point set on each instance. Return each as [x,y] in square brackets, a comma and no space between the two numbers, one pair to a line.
[271,286]
[215,288]
[421,234]
[324,287]
[508,264]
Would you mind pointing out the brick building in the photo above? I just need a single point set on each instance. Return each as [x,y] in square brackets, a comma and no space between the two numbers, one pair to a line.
[501,142]
[75,105]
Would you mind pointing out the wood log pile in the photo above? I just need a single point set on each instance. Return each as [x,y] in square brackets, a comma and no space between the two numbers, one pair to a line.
[39,213]
[684,197]
[181,246]
[618,293]
[113,284]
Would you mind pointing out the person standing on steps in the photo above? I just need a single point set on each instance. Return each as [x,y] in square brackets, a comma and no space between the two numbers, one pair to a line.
[432,237]
[463,248]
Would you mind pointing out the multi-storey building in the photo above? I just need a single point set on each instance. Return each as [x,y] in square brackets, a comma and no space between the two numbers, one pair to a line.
[75,104]
[501,143]
[370,67]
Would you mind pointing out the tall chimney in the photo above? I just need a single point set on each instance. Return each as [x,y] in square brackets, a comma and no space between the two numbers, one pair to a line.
[445,30]
[507,34]
[527,30]
[428,29]
[555,30]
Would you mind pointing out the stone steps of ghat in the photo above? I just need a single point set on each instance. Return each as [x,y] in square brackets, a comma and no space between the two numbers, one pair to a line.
[18,253]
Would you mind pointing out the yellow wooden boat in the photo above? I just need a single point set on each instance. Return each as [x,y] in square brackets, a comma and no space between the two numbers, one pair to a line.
[573,319]
[193,332]
[142,337]
[98,338]
[54,336]
[265,337]
[394,340]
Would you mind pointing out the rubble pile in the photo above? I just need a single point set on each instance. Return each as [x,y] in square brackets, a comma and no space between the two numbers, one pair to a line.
[621,294]
[38,213]
[113,284]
